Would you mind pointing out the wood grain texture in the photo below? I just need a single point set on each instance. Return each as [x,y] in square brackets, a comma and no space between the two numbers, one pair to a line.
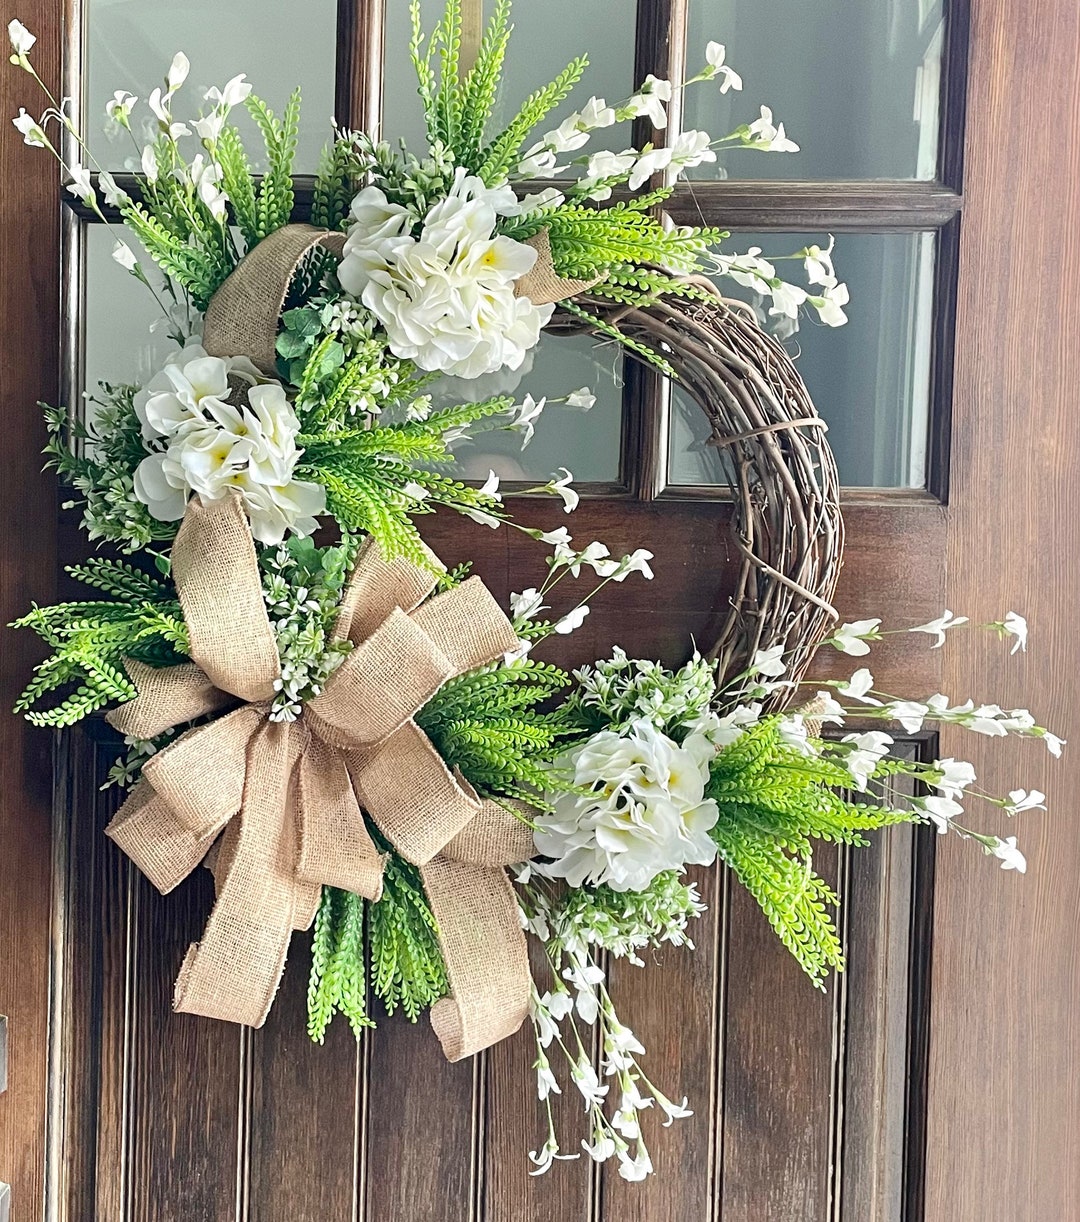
[1005,1033]
[29,319]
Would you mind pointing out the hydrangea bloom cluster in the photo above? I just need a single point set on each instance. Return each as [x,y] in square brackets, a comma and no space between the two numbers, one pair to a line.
[212,424]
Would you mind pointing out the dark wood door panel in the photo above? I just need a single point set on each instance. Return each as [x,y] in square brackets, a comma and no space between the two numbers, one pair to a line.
[798,1104]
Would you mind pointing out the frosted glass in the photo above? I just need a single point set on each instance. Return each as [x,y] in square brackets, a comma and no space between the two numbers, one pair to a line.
[279,44]
[855,82]
[547,35]
[869,379]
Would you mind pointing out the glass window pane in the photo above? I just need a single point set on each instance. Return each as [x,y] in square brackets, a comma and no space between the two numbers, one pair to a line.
[870,379]
[278,44]
[546,37]
[855,84]
[121,348]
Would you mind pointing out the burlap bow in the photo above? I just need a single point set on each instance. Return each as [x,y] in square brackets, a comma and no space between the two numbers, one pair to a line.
[283,801]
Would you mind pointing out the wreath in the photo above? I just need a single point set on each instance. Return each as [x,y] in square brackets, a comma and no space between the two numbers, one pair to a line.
[351,736]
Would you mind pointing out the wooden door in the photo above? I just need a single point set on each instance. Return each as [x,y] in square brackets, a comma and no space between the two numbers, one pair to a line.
[936,1080]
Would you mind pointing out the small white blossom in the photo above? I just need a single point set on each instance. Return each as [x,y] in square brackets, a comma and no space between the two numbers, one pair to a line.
[649,100]
[149,163]
[558,538]
[650,162]
[830,305]
[559,485]
[769,662]
[526,604]
[636,562]
[1053,744]
[523,417]
[851,638]
[571,621]
[691,148]
[939,810]
[178,72]
[114,195]
[867,752]
[1024,799]
[80,184]
[1016,626]
[545,1157]
[21,39]
[786,298]
[637,1168]
[125,256]
[818,265]
[30,130]
[938,627]
[581,398]
[767,137]
[909,713]
[715,53]
[1010,855]
[857,687]
[236,91]
[119,106]
[956,776]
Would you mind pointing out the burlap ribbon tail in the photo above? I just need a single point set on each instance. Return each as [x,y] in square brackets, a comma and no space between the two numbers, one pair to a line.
[282,803]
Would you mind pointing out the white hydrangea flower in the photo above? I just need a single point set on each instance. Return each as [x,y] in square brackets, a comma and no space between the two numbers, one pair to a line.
[446,297]
[647,812]
[204,443]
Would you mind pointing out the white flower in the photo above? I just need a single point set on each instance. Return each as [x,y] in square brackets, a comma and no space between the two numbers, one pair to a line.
[648,163]
[1023,799]
[986,719]
[1010,855]
[956,776]
[119,106]
[830,305]
[80,184]
[646,813]
[749,270]
[581,398]
[585,1079]
[909,713]
[482,517]
[560,537]
[559,485]
[125,256]
[208,127]
[545,1157]
[939,810]
[538,162]
[603,166]
[446,298]
[1015,625]
[867,752]
[602,1149]
[114,195]
[567,137]
[938,627]
[523,417]
[178,71]
[715,53]
[723,731]
[826,709]
[819,265]
[30,130]
[767,137]
[491,487]
[236,91]
[21,38]
[794,734]
[149,163]
[205,176]
[214,445]
[546,1082]
[636,562]
[769,661]
[1053,744]
[595,556]
[857,687]
[596,113]
[526,604]
[787,298]
[635,1169]
[851,638]
[673,1111]
[571,621]
[649,100]
[691,148]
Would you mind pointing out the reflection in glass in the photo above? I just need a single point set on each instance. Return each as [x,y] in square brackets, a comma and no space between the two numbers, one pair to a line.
[547,35]
[121,348]
[870,379]
[278,44]
[856,84]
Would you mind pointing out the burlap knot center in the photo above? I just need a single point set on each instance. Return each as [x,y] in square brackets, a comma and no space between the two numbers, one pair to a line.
[281,804]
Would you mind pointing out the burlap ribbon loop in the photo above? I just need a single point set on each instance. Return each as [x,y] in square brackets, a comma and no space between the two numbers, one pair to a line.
[543,285]
[282,803]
